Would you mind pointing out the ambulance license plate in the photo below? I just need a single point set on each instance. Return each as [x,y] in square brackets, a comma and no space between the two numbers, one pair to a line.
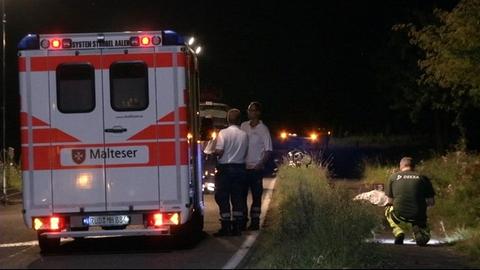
[108,220]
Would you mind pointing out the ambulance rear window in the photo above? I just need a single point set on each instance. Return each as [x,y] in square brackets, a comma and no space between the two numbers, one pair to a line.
[129,86]
[75,88]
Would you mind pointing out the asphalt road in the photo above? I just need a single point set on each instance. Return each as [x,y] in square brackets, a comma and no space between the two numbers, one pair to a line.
[19,248]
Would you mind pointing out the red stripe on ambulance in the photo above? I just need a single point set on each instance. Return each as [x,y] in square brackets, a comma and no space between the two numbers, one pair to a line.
[50,63]
[35,121]
[47,135]
[163,131]
[182,115]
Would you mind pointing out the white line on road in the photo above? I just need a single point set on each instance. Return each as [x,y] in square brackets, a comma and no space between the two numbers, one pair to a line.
[20,244]
[248,243]
[27,244]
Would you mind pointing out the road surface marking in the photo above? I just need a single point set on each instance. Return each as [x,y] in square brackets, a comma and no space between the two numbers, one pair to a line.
[251,238]
[26,244]
[20,244]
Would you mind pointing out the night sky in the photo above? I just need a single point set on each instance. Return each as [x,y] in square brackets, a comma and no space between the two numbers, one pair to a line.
[308,62]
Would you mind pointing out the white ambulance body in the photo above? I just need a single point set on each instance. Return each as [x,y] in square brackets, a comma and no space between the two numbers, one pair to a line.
[104,124]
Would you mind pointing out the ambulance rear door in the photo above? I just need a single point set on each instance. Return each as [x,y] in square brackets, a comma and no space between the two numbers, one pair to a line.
[130,132]
[76,109]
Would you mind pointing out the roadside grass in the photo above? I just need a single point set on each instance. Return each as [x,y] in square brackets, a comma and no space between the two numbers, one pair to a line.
[456,214]
[375,173]
[315,225]
[13,175]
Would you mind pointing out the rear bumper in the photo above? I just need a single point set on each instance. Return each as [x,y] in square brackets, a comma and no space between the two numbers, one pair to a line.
[107,233]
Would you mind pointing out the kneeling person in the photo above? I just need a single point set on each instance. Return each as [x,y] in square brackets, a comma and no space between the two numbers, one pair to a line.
[409,194]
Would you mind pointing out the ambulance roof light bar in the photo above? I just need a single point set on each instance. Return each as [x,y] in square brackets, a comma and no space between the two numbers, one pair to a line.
[167,38]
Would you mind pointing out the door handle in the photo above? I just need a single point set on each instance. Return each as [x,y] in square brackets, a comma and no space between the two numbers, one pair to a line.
[116,129]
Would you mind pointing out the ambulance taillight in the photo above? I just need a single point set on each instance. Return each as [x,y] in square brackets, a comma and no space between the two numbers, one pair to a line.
[161,219]
[48,223]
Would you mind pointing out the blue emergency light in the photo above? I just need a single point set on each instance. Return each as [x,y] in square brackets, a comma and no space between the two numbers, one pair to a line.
[172,38]
[29,42]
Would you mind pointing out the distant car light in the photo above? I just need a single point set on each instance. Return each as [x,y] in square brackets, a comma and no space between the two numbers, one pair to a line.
[210,187]
[313,136]
[283,135]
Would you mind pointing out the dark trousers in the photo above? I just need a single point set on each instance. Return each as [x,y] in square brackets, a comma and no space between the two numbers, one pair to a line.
[229,190]
[254,183]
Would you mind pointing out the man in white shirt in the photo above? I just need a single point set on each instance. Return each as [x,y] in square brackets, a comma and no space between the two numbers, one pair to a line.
[231,148]
[258,154]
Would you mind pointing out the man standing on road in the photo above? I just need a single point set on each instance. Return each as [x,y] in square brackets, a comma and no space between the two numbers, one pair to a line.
[259,151]
[409,194]
[231,148]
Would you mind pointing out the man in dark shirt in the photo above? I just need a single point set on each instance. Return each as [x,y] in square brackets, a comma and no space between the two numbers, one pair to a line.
[409,194]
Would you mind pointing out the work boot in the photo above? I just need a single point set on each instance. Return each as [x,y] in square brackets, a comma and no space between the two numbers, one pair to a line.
[226,229]
[236,228]
[420,238]
[254,225]
[399,239]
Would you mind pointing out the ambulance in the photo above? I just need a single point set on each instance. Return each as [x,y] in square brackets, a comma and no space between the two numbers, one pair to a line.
[110,135]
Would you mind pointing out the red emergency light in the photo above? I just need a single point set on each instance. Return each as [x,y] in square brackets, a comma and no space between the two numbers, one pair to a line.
[145,41]
[56,43]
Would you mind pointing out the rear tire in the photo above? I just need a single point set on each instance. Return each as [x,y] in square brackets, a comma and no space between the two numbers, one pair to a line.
[48,245]
[189,233]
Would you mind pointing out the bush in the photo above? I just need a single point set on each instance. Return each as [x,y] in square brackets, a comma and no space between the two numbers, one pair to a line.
[375,173]
[456,179]
[314,225]
[13,176]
